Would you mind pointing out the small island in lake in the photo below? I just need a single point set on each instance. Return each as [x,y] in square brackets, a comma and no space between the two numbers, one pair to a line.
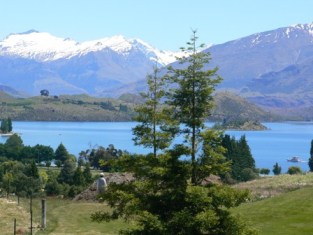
[242,125]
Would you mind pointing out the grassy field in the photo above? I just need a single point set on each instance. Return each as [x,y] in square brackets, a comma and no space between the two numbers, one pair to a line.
[271,186]
[10,210]
[67,217]
[285,208]
[288,213]
[63,217]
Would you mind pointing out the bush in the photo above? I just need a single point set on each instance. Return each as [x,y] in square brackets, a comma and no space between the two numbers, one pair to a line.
[264,171]
[276,169]
[74,190]
[53,188]
[293,170]
[248,174]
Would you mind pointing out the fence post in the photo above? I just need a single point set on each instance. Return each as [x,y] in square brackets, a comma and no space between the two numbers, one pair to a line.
[14,226]
[43,213]
[31,214]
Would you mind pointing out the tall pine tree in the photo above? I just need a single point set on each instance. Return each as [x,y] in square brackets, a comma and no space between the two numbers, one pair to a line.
[155,129]
[161,200]
[192,94]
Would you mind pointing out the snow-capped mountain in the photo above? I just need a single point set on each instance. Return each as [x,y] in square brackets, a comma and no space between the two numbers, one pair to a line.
[33,60]
[44,47]
[270,68]
[258,66]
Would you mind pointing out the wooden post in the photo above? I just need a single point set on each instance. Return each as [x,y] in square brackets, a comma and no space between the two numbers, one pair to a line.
[14,226]
[43,213]
[31,214]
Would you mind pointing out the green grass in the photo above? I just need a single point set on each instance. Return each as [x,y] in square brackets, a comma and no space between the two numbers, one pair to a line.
[63,217]
[275,185]
[68,217]
[10,210]
[289,213]
[288,210]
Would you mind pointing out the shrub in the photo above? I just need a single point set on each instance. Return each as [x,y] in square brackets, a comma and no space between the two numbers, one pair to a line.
[264,171]
[248,174]
[293,170]
[276,169]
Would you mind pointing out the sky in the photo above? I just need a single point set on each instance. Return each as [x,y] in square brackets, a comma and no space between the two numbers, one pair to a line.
[164,24]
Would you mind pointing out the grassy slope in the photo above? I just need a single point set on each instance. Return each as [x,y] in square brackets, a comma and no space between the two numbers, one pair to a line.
[289,213]
[233,107]
[65,108]
[288,210]
[67,217]
[63,217]
[9,210]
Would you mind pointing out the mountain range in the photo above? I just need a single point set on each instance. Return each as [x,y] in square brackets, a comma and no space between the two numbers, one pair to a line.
[272,69]
[32,61]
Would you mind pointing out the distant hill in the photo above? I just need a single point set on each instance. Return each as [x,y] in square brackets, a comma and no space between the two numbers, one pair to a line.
[65,108]
[229,106]
[86,108]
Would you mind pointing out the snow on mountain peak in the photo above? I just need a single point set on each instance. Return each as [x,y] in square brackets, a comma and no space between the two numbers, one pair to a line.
[43,46]
[36,45]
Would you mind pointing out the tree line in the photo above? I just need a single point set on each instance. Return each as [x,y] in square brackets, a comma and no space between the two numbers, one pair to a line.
[19,172]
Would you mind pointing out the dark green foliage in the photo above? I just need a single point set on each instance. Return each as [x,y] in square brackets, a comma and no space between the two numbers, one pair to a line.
[78,177]
[61,154]
[32,170]
[264,171]
[107,105]
[101,158]
[14,141]
[238,124]
[67,172]
[311,157]
[293,170]
[167,195]
[44,153]
[87,174]
[16,177]
[212,160]
[155,129]
[6,126]
[248,174]
[13,147]
[242,161]
[10,127]
[276,169]
[163,202]
[44,92]
[74,190]
[192,95]
[53,187]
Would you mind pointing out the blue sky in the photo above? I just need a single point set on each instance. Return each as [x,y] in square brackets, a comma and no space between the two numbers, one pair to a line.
[165,24]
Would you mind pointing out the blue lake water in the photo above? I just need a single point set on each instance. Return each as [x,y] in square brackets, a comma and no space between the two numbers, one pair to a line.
[282,141]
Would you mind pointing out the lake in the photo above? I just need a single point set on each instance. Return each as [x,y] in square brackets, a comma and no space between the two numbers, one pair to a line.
[281,141]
